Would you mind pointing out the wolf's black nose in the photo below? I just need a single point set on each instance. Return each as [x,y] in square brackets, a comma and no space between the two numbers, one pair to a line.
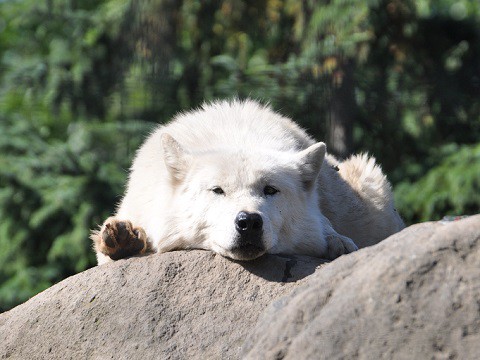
[248,223]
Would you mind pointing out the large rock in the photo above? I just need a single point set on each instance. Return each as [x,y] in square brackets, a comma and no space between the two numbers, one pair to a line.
[173,305]
[414,296]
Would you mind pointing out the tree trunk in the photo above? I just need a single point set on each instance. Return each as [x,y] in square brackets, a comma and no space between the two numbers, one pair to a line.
[342,113]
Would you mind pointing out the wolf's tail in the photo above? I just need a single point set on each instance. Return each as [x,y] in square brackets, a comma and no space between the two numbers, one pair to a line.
[366,178]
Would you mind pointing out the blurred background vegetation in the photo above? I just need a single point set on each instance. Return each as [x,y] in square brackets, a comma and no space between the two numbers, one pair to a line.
[83,82]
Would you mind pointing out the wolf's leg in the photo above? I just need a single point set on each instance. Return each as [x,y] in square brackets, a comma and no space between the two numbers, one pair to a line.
[333,244]
[118,239]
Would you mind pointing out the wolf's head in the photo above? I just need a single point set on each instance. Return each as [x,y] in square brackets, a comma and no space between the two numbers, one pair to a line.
[242,204]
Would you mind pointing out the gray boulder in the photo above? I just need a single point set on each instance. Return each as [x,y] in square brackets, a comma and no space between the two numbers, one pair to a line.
[171,306]
[416,295]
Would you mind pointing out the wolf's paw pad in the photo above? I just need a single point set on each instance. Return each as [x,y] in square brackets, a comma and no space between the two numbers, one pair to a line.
[119,239]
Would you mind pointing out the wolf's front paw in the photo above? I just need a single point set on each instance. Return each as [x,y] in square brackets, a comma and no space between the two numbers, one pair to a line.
[119,239]
[338,245]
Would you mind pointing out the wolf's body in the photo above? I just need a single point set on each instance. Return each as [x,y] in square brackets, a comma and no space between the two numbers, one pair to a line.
[241,180]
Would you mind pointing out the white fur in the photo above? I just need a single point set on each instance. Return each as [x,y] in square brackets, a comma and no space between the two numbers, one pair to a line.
[242,146]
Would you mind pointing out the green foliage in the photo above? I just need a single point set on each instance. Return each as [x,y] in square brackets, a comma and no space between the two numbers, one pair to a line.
[401,77]
[52,194]
[63,54]
[451,187]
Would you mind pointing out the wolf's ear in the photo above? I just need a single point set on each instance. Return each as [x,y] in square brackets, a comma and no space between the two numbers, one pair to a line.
[310,161]
[175,157]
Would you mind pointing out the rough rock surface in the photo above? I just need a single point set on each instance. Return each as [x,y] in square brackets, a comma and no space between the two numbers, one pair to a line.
[416,295]
[189,304]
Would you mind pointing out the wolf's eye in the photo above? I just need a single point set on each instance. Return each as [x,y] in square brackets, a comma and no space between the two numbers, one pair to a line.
[218,190]
[269,190]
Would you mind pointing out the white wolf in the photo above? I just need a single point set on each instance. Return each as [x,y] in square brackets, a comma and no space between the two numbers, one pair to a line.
[239,179]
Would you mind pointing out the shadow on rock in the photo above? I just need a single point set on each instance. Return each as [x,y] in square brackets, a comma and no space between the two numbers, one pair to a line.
[282,268]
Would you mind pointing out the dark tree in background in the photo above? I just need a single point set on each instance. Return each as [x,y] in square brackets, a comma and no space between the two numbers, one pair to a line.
[83,82]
